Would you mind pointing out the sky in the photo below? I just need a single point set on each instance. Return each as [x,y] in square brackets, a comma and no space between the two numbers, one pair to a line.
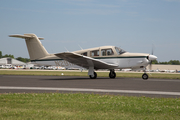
[137,26]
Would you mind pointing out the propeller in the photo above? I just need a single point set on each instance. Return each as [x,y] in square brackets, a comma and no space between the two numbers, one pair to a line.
[150,62]
[151,58]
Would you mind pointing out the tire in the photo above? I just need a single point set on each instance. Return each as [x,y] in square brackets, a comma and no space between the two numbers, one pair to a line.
[112,75]
[94,77]
[145,76]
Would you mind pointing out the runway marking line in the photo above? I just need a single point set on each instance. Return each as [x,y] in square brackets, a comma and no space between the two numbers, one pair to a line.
[91,90]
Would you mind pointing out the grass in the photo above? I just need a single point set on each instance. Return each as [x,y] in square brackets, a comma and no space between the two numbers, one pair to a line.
[78,73]
[86,106]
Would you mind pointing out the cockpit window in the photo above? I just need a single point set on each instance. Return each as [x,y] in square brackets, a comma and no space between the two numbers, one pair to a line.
[119,50]
[107,52]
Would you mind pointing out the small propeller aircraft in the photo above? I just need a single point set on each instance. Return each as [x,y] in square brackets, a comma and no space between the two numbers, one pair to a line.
[105,57]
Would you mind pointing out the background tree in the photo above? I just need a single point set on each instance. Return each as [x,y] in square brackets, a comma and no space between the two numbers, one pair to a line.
[171,62]
[174,62]
[0,54]
[6,55]
[154,62]
[23,59]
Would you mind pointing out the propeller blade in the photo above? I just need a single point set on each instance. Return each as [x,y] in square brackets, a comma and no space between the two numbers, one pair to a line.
[150,65]
[150,61]
[152,49]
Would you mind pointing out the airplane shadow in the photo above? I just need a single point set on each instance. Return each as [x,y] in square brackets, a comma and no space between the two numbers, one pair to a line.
[79,78]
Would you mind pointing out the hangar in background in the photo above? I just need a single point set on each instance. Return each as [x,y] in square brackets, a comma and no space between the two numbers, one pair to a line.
[10,62]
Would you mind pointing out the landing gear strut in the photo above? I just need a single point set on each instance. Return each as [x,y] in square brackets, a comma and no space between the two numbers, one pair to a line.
[91,73]
[112,74]
[145,76]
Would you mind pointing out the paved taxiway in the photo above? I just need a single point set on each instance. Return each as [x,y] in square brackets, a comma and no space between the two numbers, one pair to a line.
[121,86]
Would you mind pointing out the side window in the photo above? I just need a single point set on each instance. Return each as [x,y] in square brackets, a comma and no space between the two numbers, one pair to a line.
[107,52]
[85,54]
[103,52]
[95,53]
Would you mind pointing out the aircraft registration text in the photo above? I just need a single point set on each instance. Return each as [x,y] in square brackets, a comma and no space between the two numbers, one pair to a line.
[63,63]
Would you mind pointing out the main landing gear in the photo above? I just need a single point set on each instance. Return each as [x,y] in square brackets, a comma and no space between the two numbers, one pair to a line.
[112,74]
[93,76]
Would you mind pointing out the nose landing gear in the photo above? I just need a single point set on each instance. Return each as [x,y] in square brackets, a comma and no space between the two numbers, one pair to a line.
[145,76]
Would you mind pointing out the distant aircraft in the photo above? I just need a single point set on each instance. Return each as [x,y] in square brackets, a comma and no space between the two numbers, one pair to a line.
[105,57]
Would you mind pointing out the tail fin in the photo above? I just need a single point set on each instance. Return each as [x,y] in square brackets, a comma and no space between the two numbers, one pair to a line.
[35,48]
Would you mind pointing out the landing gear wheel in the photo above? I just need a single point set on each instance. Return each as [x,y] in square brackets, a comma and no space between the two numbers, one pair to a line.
[112,74]
[93,77]
[145,76]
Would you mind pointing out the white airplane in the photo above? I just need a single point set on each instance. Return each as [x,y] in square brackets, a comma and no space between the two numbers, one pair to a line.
[105,57]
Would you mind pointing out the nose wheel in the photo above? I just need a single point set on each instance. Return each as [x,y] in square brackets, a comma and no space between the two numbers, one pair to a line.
[145,76]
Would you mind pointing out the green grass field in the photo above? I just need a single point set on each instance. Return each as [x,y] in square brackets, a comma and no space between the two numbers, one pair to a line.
[86,106]
[78,73]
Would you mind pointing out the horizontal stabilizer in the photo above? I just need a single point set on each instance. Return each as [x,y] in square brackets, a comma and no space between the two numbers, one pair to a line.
[24,36]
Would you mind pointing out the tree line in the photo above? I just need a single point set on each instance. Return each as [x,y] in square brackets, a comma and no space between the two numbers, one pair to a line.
[12,56]
[171,62]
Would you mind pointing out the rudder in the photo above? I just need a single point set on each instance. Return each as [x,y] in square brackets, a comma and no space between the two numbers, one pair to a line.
[35,48]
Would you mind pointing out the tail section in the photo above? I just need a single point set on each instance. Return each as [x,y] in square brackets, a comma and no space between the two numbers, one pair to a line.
[35,48]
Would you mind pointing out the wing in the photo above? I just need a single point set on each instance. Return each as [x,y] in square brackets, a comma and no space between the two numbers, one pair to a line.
[85,61]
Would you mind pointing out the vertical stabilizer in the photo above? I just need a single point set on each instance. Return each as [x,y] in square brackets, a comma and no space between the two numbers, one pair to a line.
[35,48]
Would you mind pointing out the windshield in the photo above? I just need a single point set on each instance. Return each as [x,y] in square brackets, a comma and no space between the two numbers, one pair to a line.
[119,50]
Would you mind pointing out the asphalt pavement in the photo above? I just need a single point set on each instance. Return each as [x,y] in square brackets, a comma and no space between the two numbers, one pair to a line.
[101,85]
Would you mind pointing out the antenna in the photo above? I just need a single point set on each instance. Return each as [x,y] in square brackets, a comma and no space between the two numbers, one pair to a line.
[80,47]
[66,49]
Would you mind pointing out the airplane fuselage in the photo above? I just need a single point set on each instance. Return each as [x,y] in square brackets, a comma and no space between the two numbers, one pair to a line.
[123,63]
[124,60]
